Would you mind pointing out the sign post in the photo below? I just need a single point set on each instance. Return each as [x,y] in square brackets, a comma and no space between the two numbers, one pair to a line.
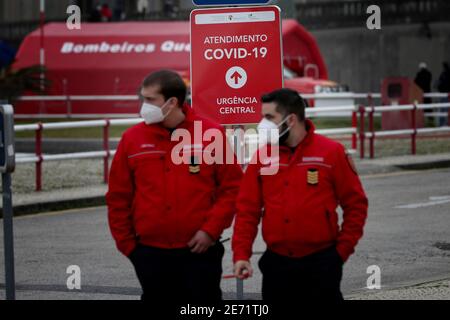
[236,56]
[7,165]
[229,2]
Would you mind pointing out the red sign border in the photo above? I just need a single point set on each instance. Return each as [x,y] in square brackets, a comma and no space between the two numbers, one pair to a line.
[239,9]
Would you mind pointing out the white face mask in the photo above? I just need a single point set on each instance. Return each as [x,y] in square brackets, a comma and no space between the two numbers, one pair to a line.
[269,133]
[153,114]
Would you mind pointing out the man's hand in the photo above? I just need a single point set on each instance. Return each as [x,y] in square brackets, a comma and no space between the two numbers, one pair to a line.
[243,269]
[200,242]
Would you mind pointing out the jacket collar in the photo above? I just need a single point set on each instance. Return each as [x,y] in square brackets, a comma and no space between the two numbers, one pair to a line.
[159,129]
[190,116]
[310,129]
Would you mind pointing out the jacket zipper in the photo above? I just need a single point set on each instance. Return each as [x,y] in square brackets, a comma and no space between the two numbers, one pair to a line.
[330,227]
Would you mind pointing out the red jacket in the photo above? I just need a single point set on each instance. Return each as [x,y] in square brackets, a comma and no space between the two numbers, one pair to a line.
[300,201]
[164,204]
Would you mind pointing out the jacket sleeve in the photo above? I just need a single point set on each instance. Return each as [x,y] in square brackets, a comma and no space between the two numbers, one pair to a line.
[249,209]
[228,178]
[119,199]
[353,201]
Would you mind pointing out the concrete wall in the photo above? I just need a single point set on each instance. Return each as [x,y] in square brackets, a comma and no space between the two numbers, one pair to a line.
[361,58]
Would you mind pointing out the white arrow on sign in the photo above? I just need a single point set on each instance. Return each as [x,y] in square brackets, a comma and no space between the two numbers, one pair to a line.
[236,77]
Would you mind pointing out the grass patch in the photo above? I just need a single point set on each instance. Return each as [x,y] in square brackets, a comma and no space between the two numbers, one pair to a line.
[401,147]
[74,133]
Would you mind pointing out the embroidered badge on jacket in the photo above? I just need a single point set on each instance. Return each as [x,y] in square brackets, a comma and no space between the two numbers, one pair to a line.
[313,176]
[194,167]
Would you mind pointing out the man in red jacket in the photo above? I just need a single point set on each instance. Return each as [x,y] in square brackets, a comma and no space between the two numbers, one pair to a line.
[167,216]
[306,248]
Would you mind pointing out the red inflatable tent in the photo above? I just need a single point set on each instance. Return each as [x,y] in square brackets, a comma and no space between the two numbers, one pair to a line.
[113,58]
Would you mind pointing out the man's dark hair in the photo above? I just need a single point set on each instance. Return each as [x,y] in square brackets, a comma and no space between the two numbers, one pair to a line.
[170,84]
[287,101]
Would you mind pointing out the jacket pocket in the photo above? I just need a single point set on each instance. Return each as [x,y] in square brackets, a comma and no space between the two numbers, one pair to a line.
[332,222]
[147,167]
[138,159]
[313,226]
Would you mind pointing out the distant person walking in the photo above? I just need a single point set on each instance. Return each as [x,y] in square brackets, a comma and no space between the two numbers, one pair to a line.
[142,8]
[169,9]
[444,79]
[444,86]
[423,80]
[106,13]
[119,10]
[95,15]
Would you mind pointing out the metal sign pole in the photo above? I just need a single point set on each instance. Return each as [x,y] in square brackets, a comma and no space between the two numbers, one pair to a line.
[7,166]
[247,77]
[8,237]
[238,135]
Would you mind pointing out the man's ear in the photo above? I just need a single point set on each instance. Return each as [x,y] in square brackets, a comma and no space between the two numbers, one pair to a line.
[292,119]
[174,101]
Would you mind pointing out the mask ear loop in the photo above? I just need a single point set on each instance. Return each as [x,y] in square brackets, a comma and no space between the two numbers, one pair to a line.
[287,129]
[165,105]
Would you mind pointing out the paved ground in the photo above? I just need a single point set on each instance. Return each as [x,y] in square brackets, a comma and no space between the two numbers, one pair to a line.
[433,290]
[407,236]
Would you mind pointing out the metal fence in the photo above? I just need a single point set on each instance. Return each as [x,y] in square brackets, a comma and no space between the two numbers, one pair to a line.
[414,131]
[357,131]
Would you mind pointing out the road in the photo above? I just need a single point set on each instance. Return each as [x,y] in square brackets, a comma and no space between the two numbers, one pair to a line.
[407,235]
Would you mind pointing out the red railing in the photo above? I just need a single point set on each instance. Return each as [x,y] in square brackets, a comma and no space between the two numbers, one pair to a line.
[357,130]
